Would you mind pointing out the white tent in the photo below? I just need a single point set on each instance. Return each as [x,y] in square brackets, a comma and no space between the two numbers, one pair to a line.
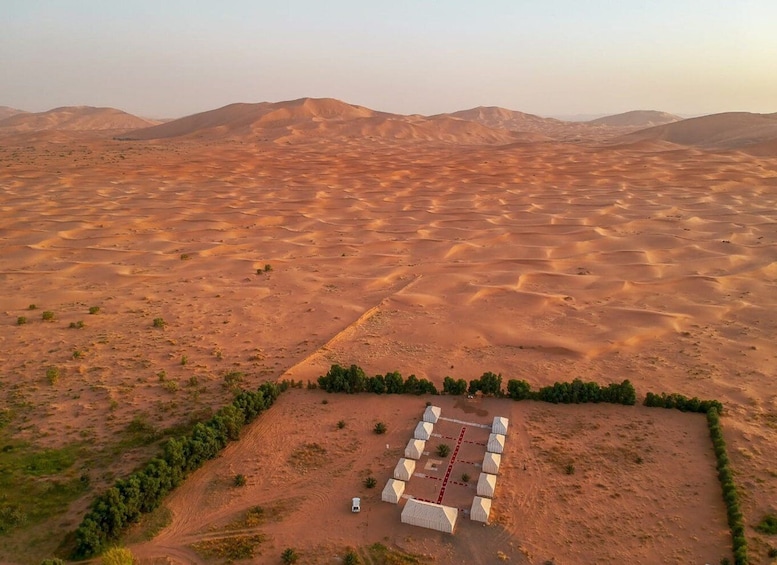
[500,425]
[481,508]
[430,515]
[491,462]
[432,414]
[404,469]
[415,448]
[423,430]
[393,490]
[496,443]
[486,485]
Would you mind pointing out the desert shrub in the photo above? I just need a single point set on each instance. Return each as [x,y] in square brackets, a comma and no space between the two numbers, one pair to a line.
[32,307]
[768,525]
[185,256]
[465,477]
[48,315]
[772,552]
[574,392]
[184,359]
[340,424]
[232,379]
[443,450]
[569,468]
[52,561]
[380,428]
[78,354]
[21,320]
[267,268]
[239,480]
[77,325]
[351,558]
[159,323]
[489,384]
[289,556]
[52,374]
[94,309]
[370,482]
[118,556]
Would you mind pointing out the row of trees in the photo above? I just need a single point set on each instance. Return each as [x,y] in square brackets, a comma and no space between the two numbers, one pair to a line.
[575,392]
[142,491]
[353,380]
[730,495]
[682,403]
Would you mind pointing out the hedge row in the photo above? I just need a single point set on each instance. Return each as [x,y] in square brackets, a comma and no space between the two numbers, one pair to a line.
[575,392]
[682,403]
[353,380]
[730,495]
[142,491]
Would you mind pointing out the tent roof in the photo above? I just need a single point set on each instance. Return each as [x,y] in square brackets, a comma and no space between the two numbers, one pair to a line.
[430,515]
[481,509]
[393,490]
[496,443]
[486,484]
[432,413]
[404,469]
[500,425]
[415,448]
[423,430]
[491,462]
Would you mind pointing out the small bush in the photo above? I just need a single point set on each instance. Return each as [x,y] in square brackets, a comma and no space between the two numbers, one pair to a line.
[351,558]
[184,359]
[118,556]
[239,480]
[185,256]
[159,323]
[52,374]
[340,424]
[380,428]
[21,320]
[370,482]
[772,552]
[32,307]
[443,450]
[325,401]
[47,316]
[94,309]
[77,325]
[52,561]
[768,525]
[289,556]
[569,468]
[465,478]
[267,268]
[78,354]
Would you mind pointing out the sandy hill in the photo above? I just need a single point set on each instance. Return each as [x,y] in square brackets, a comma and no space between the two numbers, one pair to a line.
[731,130]
[502,118]
[74,118]
[314,118]
[636,118]
[7,112]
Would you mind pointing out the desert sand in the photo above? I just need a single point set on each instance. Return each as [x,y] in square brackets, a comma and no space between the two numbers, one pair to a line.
[398,247]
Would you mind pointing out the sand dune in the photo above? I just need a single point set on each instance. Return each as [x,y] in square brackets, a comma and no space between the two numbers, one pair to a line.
[7,112]
[73,118]
[732,130]
[311,119]
[637,118]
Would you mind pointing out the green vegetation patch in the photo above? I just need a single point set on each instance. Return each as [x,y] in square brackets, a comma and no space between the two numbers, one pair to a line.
[382,555]
[768,525]
[229,548]
[36,484]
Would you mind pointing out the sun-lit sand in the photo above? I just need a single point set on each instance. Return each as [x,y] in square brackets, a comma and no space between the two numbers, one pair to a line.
[544,261]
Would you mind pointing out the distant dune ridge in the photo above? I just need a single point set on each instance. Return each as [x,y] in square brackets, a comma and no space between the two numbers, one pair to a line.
[7,112]
[637,118]
[74,118]
[730,130]
[318,119]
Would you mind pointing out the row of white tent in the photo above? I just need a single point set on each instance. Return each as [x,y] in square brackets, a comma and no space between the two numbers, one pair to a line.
[481,504]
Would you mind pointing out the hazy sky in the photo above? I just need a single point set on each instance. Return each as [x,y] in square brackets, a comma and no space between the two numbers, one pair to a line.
[168,58]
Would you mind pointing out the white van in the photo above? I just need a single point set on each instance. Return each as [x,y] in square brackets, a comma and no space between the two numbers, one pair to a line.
[356,505]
